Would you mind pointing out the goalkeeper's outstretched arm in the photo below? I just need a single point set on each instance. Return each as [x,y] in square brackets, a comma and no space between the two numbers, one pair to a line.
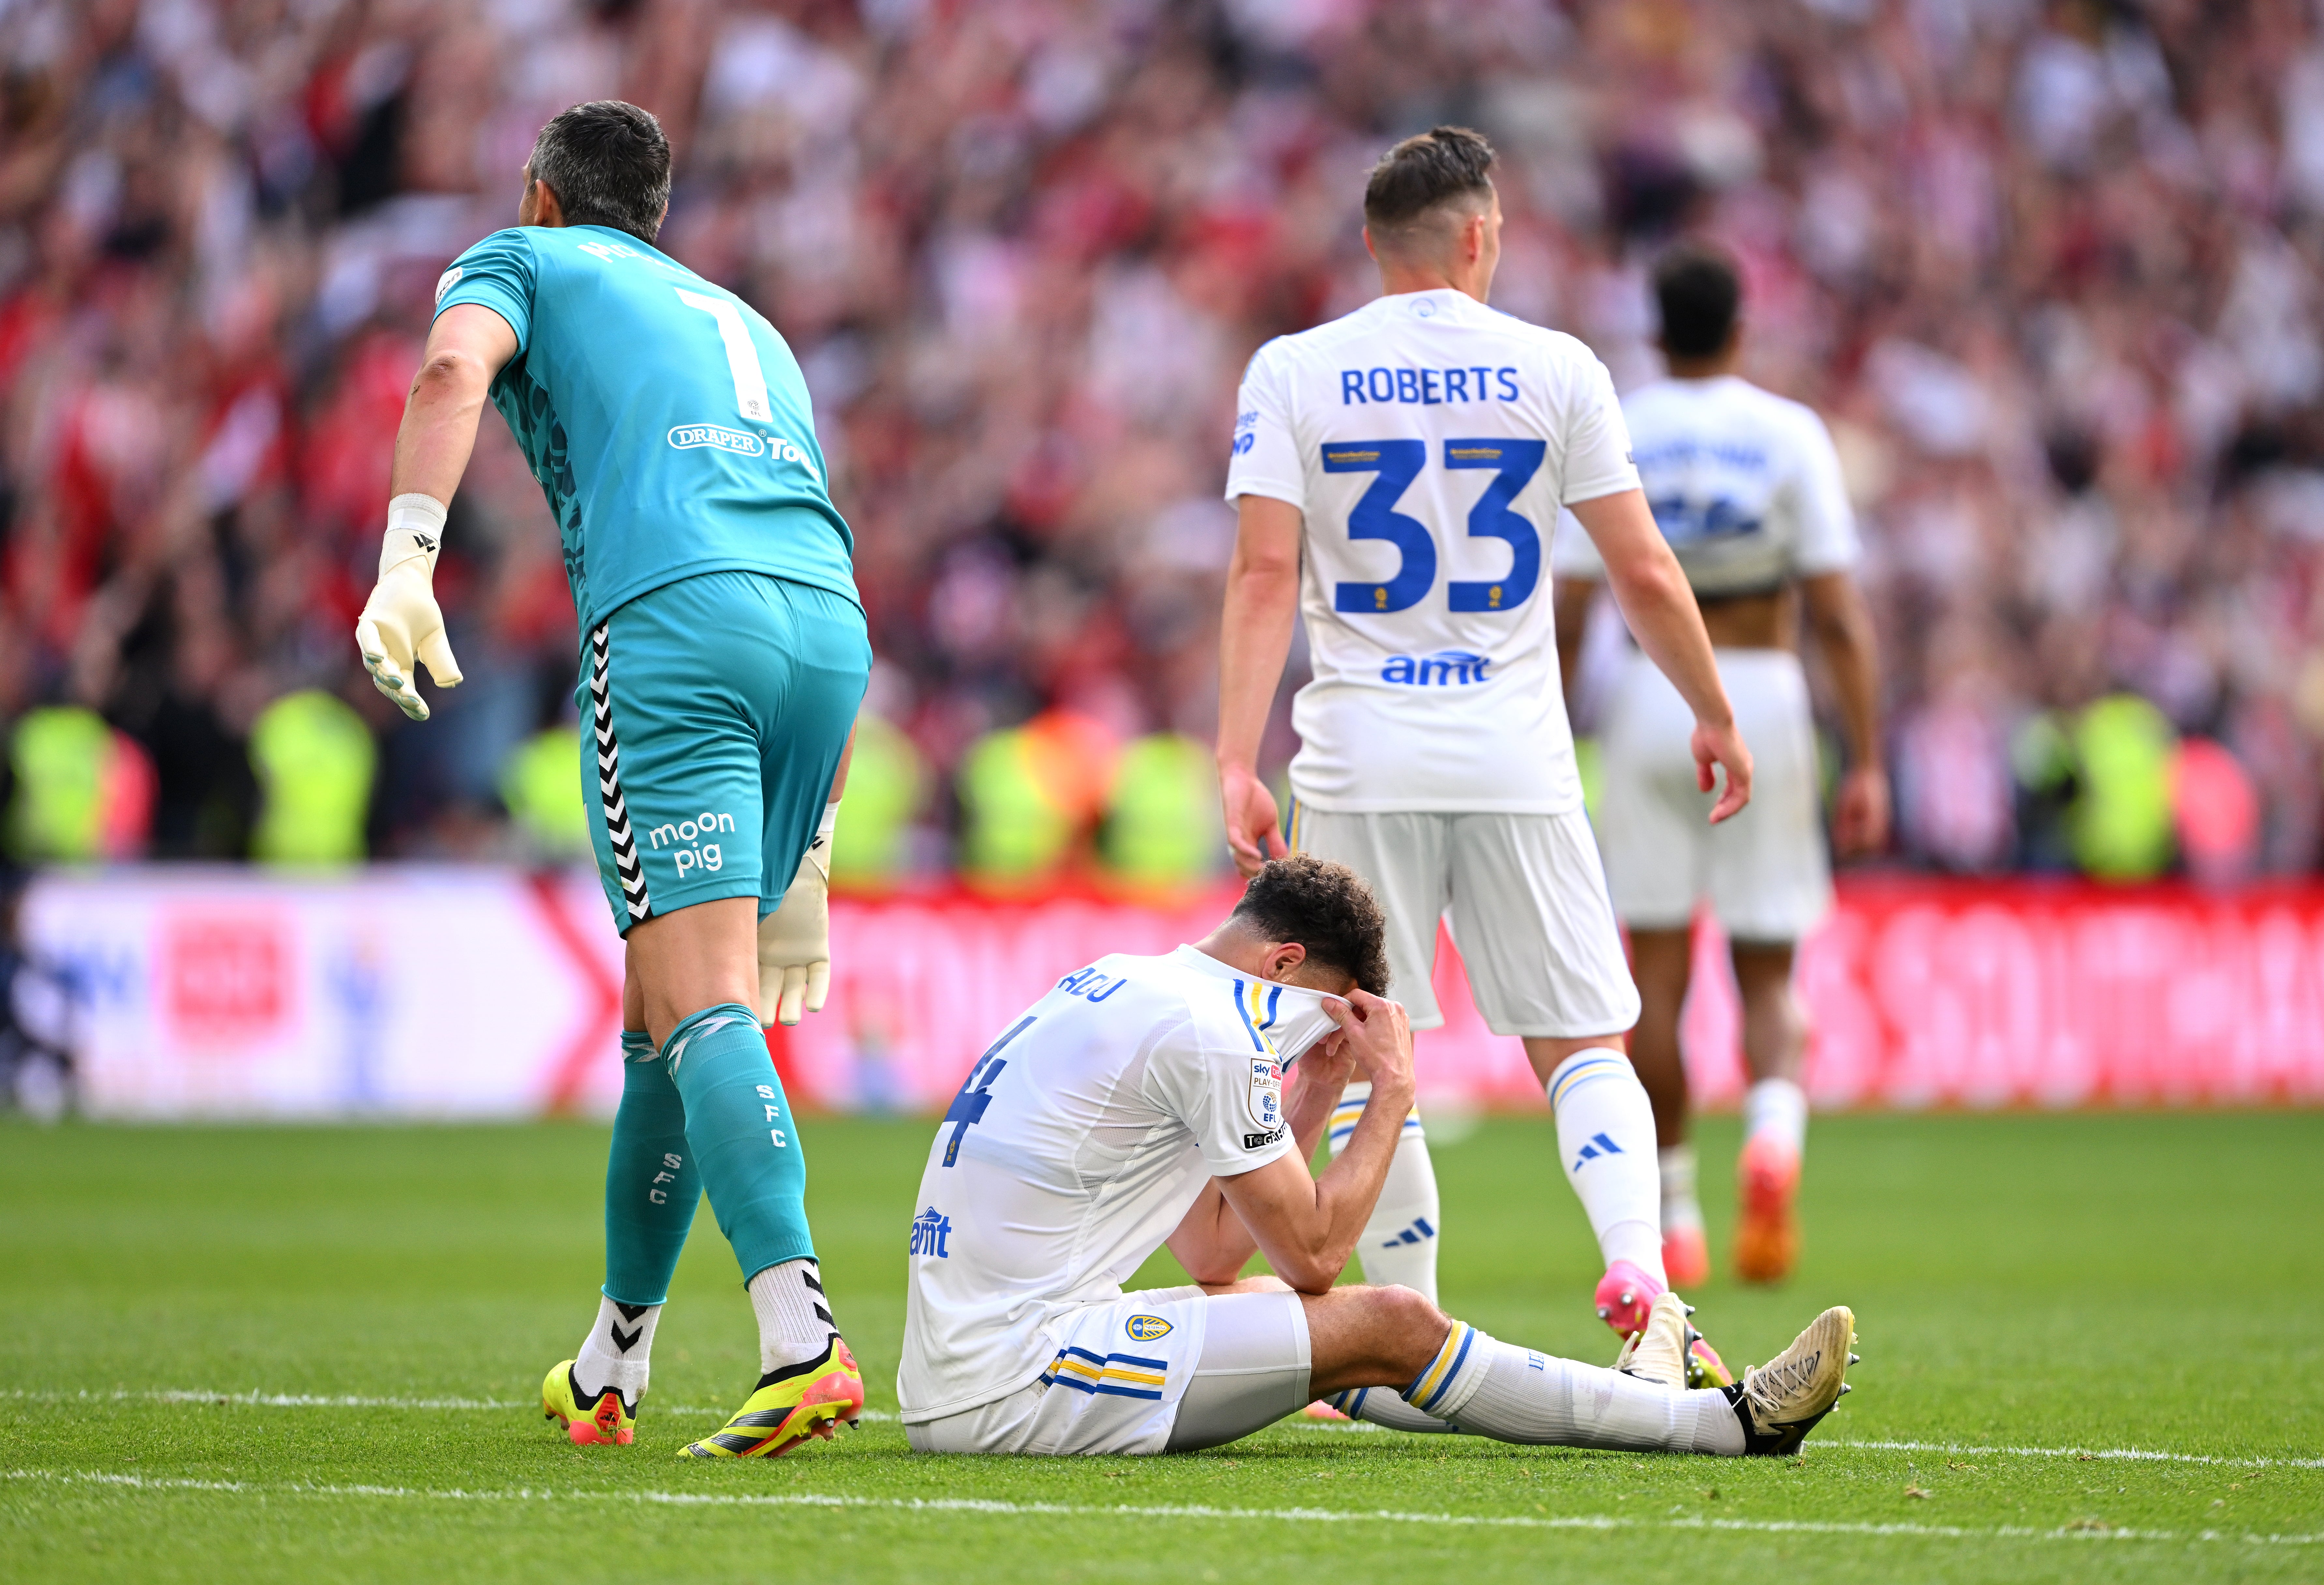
[401,623]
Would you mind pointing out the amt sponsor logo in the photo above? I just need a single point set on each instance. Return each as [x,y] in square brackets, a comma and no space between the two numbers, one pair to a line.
[930,1228]
[690,437]
[698,853]
[1445,668]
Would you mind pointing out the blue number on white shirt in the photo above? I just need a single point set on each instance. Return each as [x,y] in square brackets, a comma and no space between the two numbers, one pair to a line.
[1683,523]
[1517,462]
[1398,463]
[968,1106]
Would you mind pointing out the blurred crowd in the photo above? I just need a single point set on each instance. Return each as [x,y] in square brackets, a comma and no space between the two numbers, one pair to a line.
[2054,273]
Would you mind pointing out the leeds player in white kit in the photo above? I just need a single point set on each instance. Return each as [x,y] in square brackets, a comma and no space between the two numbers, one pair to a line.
[1397,475]
[1142,1101]
[1746,487]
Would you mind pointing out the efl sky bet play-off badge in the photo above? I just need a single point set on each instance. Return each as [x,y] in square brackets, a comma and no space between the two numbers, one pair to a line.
[1265,1098]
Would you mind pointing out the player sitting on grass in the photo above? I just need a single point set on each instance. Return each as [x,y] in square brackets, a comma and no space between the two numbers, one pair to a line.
[724,660]
[1141,1103]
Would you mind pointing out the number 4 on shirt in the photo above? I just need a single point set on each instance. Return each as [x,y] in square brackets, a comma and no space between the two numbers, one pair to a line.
[1396,463]
[967,1107]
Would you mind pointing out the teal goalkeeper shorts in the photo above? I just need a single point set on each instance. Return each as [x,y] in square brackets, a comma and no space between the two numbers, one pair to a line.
[720,704]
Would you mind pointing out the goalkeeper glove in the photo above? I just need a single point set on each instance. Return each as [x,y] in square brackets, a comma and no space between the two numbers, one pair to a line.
[401,623]
[795,940]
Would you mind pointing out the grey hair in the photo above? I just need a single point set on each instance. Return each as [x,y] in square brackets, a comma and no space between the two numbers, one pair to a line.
[608,163]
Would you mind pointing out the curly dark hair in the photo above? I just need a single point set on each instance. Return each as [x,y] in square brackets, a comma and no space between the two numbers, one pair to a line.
[1325,907]
[1423,171]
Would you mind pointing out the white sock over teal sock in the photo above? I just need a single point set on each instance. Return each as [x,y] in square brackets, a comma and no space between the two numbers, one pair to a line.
[795,1324]
[616,1352]
[1400,1242]
[1606,1137]
[1682,1211]
[1777,1108]
[1510,1394]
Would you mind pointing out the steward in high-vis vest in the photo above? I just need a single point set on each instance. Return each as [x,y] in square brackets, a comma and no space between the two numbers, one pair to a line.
[314,758]
[1162,828]
[537,787]
[886,782]
[83,791]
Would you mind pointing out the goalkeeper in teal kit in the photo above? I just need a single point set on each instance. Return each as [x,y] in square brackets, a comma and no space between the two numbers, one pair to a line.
[723,658]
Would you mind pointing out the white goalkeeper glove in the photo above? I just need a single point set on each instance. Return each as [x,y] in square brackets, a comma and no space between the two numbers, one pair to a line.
[795,940]
[401,623]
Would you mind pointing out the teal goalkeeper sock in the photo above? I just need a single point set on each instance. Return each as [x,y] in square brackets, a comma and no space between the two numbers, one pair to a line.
[651,1183]
[740,1128]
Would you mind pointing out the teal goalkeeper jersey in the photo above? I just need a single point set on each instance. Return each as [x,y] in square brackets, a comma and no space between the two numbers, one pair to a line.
[666,421]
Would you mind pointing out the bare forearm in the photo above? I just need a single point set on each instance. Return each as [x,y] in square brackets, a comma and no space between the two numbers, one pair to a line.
[1659,607]
[1210,1241]
[1350,1187]
[1843,630]
[1315,1094]
[1655,601]
[439,432]
[1573,599]
[1263,602]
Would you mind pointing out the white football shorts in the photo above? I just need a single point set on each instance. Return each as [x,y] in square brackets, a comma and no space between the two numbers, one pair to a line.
[1764,872]
[1165,1370]
[1526,900]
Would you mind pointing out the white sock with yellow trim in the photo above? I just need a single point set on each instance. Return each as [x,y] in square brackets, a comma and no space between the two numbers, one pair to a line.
[1496,1389]
[1400,1242]
[1606,1138]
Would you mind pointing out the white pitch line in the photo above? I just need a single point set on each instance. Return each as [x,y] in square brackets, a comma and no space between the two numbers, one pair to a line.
[2129,1454]
[295,1400]
[280,1400]
[1001,1509]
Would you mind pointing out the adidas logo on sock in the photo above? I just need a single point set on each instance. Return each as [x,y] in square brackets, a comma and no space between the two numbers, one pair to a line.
[1598,1144]
[1418,1231]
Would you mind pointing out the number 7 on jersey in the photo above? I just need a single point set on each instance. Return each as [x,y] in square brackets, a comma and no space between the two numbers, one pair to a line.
[741,357]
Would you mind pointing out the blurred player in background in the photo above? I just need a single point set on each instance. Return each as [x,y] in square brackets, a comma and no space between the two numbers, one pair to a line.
[1394,472]
[723,658]
[1746,488]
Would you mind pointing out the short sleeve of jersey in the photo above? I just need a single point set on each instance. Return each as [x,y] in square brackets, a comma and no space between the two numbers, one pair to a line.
[1229,1098]
[1597,442]
[499,273]
[1827,541]
[1265,460]
[1572,554]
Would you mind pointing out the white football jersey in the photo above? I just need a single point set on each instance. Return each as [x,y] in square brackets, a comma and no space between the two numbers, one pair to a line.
[1745,485]
[1075,1146]
[1430,441]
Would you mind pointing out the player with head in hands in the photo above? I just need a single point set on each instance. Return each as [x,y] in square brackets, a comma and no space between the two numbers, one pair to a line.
[724,655]
[1746,488]
[1398,474]
[1144,1102]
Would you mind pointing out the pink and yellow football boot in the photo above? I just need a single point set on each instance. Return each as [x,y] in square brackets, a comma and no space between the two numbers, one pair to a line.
[589,1422]
[1626,1295]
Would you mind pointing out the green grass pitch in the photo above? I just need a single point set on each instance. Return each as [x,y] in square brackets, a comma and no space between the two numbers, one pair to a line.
[2031,1292]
